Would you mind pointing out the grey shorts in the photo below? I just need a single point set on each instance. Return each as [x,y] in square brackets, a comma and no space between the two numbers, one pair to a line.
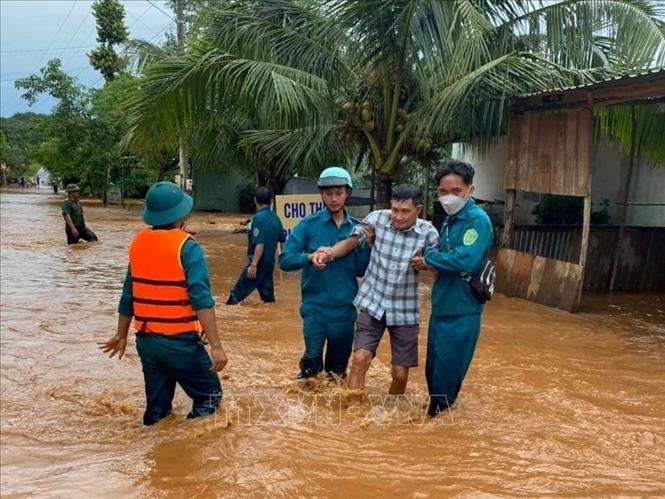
[403,339]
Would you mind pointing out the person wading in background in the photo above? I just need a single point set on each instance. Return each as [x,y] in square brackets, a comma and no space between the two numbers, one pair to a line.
[72,212]
[263,233]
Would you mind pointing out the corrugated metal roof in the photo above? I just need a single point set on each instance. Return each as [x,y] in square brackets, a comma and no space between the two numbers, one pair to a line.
[649,72]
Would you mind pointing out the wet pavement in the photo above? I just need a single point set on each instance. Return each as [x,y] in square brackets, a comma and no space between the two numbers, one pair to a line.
[554,404]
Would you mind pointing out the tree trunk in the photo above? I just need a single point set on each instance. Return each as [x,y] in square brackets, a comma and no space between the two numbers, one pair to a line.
[105,198]
[161,171]
[372,190]
[384,187]
[428,163]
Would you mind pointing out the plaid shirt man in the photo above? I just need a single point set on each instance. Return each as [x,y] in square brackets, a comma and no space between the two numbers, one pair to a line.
[391,285]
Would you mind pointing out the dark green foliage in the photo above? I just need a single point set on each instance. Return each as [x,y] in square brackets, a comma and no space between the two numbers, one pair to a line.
[246,199]
[22,133]
[111,30]
[567,210]
[79,142]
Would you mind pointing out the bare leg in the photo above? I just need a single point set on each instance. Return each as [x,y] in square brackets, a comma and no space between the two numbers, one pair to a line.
[400,378]
[360,364]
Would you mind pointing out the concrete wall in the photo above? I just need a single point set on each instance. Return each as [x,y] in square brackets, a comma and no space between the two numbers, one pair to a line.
[216,190]
[610,167]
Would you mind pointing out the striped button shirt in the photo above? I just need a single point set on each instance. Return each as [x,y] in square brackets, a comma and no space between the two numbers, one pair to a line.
[391,285]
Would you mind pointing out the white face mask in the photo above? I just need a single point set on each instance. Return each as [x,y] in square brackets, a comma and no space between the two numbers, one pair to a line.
[452,203]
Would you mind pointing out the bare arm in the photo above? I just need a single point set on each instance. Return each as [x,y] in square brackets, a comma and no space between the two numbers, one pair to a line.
[69,222]
[345,247]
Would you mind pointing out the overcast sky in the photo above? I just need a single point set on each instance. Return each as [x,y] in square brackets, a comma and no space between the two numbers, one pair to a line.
[67,29]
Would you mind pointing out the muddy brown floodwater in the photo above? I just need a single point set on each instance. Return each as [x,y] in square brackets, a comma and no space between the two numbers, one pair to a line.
[554,404]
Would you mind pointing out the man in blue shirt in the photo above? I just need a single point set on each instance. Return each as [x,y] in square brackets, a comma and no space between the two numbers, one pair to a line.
[327,290]
[454,326]
[263,234]
[167,291]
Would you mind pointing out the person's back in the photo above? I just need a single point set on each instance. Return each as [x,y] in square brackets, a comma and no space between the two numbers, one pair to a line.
[263,234]
[266,220]
[167,292]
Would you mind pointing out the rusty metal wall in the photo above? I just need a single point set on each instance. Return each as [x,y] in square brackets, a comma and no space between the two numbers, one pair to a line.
[641,260]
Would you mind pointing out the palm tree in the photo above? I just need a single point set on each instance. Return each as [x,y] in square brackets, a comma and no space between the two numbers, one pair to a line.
[397,78]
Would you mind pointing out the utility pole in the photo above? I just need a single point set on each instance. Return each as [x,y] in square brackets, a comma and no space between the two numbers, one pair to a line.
[180,40]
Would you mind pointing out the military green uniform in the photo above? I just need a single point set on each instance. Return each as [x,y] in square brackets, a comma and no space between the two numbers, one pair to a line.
[327,295]
[75,211]
[454,325]
[265,228]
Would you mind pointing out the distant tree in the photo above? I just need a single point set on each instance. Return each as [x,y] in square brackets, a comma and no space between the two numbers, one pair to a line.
[22,134]
[81,137]
[111,31]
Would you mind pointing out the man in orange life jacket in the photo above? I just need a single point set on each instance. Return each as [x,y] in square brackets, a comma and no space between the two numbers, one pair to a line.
[167,291]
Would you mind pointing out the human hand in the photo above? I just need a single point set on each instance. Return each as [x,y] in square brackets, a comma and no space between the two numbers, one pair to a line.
[75,232]
[251,271]
[418,262]
[320,258]
[115,345]
[219,359]
[370,235]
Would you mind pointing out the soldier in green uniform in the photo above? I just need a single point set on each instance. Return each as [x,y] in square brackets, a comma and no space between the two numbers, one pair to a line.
[454,326]
[72,212]
[263,234]
[327,290]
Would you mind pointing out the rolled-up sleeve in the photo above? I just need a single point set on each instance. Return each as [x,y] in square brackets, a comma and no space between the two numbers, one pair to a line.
[370,221]
[126,305]
[196,272]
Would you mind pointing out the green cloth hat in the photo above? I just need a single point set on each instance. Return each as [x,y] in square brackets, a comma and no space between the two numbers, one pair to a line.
[165,203]
[72,188]
[335,176]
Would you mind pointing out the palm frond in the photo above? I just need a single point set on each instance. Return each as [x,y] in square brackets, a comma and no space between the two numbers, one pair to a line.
[616,123]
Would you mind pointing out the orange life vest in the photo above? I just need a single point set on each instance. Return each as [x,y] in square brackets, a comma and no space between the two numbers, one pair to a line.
[159,285]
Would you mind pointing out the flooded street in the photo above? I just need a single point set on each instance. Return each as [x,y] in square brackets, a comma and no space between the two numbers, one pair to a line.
[554,404]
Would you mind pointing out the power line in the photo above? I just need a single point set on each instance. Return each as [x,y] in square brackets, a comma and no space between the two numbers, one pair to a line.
[21,77]
[38,51]
[138,19]
[56,35]
[161,10]
[90,33]
[85,17]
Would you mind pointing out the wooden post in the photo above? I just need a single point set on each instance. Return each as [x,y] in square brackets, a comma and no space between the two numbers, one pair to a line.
[626,193]
[183,152]
[508,218]
[428,163]
[586,229]
[586,217]
[372,189]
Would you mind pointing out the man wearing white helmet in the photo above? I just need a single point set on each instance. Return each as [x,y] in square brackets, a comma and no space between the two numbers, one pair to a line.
[328,290]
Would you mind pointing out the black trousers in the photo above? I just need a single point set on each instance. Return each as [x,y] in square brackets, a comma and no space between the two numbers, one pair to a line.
[84,233]
[263,283]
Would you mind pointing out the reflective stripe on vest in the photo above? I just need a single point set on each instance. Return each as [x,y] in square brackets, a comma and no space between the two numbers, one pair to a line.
[159,284]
